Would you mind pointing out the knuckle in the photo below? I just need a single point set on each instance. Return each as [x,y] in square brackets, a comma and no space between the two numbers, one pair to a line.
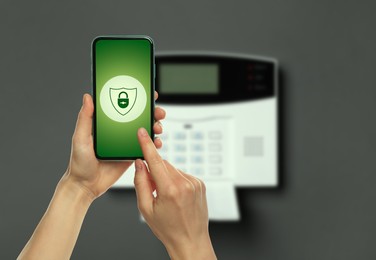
[188,188]
[197,183]
[203,186]
[172,192]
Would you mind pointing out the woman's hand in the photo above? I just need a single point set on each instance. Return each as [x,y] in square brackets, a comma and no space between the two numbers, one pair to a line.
[85,179]
[84,170]
[178,215]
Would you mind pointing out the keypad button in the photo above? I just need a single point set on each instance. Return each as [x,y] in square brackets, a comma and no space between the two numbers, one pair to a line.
[179,159]
[180,136]
[215,171]
[215,135]
[180,147]
[197,159]
[197,171]
[197,147]
[197,135]
[215,159]
[215,147]
[260,87]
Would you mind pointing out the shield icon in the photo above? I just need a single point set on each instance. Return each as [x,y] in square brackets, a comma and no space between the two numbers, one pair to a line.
[119,96]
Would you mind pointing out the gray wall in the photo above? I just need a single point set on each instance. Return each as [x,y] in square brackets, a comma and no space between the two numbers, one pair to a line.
[325,208]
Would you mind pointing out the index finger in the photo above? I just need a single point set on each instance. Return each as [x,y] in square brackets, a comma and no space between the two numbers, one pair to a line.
[155,162]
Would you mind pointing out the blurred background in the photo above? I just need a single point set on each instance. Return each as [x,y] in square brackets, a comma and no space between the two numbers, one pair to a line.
[324,207]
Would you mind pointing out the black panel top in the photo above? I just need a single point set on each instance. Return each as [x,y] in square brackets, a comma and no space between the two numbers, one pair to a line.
[202,79]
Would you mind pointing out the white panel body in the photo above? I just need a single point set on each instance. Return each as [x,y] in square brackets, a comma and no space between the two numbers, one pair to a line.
[230,125]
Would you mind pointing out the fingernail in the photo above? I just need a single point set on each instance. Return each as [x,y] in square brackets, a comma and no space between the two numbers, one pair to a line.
[143,132]
[83,99]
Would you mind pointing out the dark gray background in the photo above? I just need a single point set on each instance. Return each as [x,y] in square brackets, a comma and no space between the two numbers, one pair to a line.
[325,208]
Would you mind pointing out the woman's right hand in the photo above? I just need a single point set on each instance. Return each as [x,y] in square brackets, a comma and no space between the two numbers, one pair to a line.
[178,214]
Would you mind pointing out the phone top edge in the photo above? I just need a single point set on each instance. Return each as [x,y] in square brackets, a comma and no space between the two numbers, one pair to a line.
[125,37]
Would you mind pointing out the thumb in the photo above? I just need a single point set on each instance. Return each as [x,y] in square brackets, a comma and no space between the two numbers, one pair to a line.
[144,188]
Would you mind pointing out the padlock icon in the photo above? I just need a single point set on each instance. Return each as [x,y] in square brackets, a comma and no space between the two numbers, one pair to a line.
[123,102]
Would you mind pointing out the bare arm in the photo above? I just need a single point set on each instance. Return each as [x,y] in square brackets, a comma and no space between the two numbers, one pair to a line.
[57,232]
[178,216]
[85,179]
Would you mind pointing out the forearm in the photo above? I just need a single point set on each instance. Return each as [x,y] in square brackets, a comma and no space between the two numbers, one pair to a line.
[57,232]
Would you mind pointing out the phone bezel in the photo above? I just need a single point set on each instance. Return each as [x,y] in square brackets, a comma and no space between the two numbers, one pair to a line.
[152,80]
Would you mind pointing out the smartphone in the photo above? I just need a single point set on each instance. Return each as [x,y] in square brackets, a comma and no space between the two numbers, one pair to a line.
[123,93]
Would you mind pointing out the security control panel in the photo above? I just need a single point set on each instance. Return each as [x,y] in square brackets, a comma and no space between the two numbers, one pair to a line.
[222,118]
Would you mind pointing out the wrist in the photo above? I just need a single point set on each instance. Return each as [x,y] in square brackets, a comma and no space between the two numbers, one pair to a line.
[198,249]
[74,191]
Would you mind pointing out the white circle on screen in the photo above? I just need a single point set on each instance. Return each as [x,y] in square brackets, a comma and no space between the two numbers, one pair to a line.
[123,98]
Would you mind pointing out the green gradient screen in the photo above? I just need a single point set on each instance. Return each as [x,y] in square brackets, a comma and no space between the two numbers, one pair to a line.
[115,59]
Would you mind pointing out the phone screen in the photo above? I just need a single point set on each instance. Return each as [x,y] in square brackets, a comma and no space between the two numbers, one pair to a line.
[123,82]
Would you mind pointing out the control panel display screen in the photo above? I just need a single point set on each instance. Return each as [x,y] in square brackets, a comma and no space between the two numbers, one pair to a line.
[189,78]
